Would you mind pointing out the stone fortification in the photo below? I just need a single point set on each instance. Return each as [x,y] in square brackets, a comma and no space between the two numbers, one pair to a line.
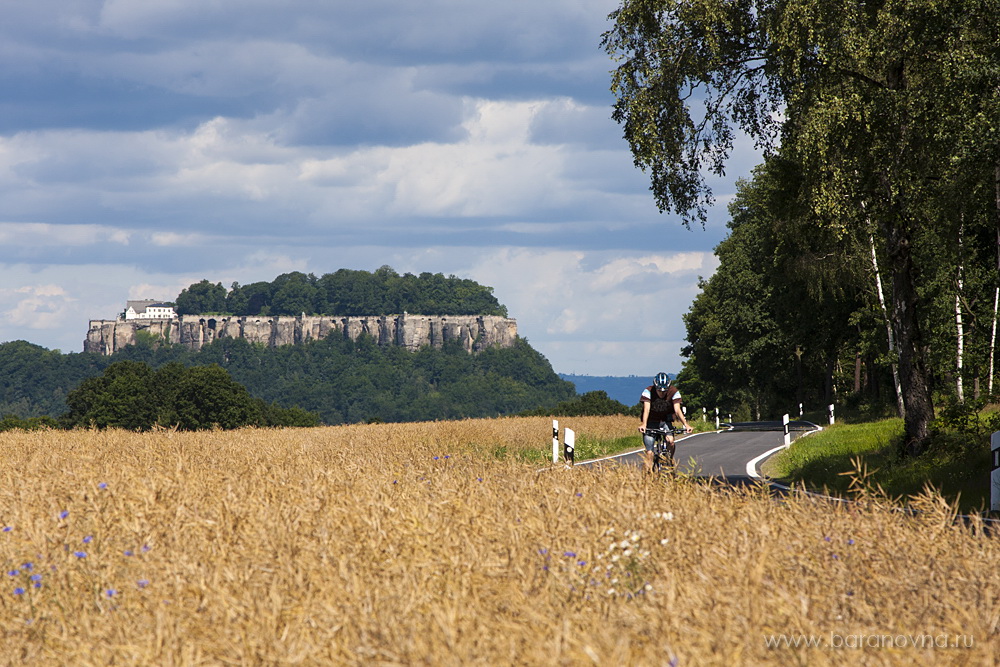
[474,332]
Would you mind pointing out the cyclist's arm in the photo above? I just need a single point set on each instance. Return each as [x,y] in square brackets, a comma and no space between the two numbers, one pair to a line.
[680,416]
[645,416]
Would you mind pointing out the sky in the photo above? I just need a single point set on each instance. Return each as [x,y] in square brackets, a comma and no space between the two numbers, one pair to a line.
[146,145]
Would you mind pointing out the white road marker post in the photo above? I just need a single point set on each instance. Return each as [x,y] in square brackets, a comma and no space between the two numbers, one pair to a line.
[570,443]
[800,411]
[830,409]
[717,419]
[995,473]
[704,417]
[788,435]
[555,441]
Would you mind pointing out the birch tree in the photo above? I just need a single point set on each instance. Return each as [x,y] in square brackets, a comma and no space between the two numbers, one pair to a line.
[875,99]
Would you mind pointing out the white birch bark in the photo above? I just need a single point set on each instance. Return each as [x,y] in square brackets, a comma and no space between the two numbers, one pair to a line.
[888,328]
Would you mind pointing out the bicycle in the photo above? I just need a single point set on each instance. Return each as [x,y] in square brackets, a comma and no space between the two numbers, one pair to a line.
[663,449]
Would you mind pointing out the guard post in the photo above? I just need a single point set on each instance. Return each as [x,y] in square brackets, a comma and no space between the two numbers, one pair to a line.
[569,445]
[830,411]
[995,473]
[555,441]
[788,435]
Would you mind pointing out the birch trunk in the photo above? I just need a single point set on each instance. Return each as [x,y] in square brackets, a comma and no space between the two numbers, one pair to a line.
[888,328]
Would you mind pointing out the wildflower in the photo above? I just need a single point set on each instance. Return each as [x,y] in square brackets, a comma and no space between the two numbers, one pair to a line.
[145,548]
[142,583]
[436,458]
[664,540]
[36,577]
[582,563]
[13,573]
[569,554]
[827,539]
[88,539]
[129,552]
[543,551]
[479,479]
[836,557]
[18,591]
[63,514]
[80,554]
[851,542]
[111,592]
[102,485]
[579,495]
[7,529]
[28,566]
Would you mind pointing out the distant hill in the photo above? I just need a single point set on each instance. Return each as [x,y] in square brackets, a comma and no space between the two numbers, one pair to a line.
[625,389]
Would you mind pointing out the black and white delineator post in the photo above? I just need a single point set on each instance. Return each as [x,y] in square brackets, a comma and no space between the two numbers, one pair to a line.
[717,419]
[569,445]
[830,409]
[788,435]
[995,473]
[555,441]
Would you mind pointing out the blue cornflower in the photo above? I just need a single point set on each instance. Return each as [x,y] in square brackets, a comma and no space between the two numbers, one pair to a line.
[18,591]
[63,514]
[145,548]
[582,563]
[569,554]
[479,479]
[102,485]
[28,566]
[80,554]
[88,539]
[436,458]
[836,557]
[142,583]
[826,539]
[850,541]
[111,592]
[7,529]
[36,577]
[128,552]
[579,495]
[13,573]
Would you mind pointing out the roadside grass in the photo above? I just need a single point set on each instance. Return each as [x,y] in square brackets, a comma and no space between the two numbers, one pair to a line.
[590,445]
[844,458]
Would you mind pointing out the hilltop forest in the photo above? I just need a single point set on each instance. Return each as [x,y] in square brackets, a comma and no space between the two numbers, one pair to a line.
[862,255]
[345,292]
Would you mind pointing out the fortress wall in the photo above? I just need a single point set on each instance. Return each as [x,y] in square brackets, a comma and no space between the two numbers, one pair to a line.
[474,332]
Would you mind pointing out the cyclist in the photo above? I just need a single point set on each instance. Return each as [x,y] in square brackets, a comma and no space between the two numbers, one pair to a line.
[661,406]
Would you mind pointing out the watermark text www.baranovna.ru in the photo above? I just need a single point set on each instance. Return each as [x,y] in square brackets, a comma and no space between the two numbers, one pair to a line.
[870,641]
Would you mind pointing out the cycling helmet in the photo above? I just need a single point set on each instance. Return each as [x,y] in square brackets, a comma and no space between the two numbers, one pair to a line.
[661,381]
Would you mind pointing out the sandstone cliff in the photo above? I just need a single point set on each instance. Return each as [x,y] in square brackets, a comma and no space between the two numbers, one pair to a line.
[475,332]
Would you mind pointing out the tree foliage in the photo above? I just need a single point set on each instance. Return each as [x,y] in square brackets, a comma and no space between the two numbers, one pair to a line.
[131,395]
[345,292]
[887,108]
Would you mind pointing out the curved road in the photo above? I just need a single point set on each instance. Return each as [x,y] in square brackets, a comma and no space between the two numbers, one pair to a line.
[732,455]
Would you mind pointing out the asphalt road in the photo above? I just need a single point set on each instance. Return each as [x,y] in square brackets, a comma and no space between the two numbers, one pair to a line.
[723,454]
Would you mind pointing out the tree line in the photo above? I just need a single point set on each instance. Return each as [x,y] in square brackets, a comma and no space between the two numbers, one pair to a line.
[863,254]
[336,381]
[345,292]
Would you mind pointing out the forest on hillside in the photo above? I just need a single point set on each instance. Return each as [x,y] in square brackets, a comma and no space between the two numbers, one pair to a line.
[340,380]
[861,263]
[345,292]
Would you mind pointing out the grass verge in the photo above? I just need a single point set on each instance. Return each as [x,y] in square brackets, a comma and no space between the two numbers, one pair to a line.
[844,458]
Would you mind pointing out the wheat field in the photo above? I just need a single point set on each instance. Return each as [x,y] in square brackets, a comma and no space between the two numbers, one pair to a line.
[416,544]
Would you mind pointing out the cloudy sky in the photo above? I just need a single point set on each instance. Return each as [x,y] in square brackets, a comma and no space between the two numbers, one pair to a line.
[148,144]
